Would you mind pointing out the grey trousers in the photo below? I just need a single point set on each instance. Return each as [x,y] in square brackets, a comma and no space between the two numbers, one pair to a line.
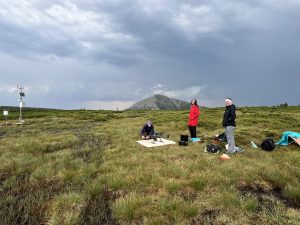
[229,131]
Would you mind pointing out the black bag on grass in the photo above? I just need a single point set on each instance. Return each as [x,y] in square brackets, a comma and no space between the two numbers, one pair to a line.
[183,143]
[213,148]
[184,140]
[268,144]
[222,137]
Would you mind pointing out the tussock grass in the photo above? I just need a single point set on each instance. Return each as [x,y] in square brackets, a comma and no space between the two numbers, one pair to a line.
[65,209]
[84,167]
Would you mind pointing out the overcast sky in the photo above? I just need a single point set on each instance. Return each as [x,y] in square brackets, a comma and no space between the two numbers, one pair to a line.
[109,54]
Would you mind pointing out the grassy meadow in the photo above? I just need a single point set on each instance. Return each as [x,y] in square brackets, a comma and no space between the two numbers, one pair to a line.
[85,167]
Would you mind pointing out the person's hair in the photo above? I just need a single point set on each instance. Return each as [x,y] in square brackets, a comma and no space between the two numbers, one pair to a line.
[196,104]
[228,99]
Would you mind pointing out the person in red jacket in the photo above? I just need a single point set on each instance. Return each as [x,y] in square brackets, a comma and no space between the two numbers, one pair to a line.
[193,118]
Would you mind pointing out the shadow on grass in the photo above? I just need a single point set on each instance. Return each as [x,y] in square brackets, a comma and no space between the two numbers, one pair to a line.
[262,192]
[208,216]
[25,201]
[97,209]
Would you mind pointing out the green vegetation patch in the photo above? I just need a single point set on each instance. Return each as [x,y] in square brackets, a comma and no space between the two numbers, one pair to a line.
[85,167]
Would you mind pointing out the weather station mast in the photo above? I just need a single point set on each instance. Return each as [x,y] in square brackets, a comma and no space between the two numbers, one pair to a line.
[21,103]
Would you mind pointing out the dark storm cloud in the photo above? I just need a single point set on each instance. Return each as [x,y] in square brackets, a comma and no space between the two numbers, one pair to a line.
[101,51]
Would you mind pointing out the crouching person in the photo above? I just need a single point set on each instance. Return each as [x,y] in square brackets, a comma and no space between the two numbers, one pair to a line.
[147,131]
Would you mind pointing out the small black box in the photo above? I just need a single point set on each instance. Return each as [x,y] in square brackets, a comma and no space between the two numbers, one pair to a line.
[183,143]
[184,138]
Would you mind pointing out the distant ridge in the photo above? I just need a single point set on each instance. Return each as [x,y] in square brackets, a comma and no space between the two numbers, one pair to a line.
[157,102]
[16,108]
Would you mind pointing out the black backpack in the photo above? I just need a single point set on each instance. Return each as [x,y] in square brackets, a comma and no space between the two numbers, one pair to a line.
[268,144]
[222,137]
[213,148]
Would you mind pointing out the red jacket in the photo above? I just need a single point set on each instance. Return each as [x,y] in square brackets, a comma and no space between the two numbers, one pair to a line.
[193,117]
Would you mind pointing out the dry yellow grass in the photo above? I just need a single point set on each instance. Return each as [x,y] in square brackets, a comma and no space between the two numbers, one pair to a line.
[84,167]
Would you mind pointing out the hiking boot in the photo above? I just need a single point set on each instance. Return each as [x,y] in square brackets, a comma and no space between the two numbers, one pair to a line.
[230,153]
[239,150]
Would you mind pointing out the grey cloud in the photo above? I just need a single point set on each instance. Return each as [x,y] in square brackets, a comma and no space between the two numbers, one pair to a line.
[57,30]
[115,49]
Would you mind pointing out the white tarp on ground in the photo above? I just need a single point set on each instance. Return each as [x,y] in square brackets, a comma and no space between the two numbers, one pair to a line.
[160,142]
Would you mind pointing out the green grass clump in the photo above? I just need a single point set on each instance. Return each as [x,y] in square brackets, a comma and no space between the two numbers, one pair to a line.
[85,167]
[130,207]
[65,209]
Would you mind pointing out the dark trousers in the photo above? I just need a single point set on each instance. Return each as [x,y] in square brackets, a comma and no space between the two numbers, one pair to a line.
[193,131]
[148,134]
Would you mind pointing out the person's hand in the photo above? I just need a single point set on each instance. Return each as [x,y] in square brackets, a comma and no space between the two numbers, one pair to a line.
[147,137]
[143,137]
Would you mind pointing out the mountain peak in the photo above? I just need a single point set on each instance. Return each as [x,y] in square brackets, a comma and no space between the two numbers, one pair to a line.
[158,101]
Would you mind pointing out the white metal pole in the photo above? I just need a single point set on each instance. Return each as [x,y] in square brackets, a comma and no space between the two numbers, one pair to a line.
[20,118]
[20,102]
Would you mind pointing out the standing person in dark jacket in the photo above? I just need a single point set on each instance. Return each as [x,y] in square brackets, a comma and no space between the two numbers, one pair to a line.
[193,118]
[147,131]
[230,125]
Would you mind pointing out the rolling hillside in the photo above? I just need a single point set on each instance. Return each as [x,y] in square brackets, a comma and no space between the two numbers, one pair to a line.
[85,168]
